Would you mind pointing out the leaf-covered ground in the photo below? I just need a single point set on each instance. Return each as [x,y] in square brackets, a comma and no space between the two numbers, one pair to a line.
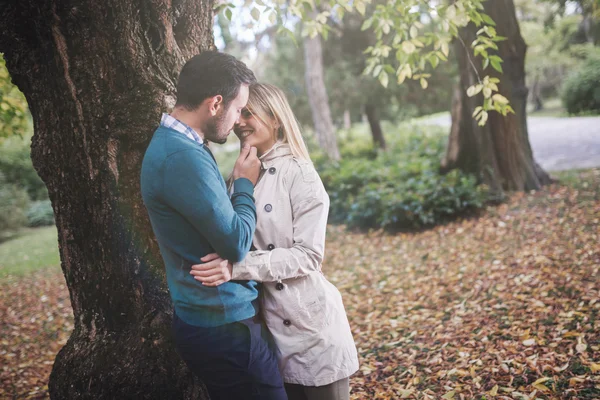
[504,306]
[35,322]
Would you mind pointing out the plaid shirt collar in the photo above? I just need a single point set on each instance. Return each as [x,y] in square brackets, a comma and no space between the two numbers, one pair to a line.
[169,122]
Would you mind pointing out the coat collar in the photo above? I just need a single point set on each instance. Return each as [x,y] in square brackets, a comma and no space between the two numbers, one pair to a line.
[276,152]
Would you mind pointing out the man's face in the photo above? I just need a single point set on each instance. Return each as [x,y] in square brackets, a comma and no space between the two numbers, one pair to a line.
[222,123]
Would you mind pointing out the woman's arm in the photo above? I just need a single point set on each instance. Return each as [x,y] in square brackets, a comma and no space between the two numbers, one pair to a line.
[310,208]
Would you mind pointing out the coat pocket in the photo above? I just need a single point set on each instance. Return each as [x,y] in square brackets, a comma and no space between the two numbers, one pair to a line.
[310,316]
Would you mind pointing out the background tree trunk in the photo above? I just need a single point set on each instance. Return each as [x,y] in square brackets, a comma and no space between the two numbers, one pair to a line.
[97,75]
[347,120]
[317,97]
[535,95]
[499,152]
[375,125]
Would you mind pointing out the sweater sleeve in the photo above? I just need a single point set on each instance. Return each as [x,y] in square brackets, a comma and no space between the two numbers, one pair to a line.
[310,208]
[194,188]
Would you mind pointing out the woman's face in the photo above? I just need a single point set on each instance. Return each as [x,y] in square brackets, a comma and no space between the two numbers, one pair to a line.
[253,132]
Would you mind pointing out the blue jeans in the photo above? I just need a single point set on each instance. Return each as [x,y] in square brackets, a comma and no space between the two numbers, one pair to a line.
[234,360]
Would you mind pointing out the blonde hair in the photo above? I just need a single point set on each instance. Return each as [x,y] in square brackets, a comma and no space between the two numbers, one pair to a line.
[267,102]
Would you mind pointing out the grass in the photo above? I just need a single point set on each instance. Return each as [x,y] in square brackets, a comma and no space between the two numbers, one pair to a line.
[578,178]
[31,251]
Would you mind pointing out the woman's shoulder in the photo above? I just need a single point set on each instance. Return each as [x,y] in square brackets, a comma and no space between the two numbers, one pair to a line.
[302,169]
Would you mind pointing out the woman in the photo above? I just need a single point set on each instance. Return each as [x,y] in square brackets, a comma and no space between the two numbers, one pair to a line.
[303,311]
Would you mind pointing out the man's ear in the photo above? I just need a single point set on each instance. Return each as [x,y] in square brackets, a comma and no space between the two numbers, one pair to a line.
[215,104]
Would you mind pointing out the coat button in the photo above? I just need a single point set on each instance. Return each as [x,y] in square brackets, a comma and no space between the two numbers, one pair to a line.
[270,247]
[279,286]
[268,208]
[287,322]
[272,170]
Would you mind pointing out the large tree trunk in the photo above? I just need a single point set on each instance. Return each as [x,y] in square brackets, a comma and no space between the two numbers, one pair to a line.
[375,125]
[499,152]
[97,75]
[317,97]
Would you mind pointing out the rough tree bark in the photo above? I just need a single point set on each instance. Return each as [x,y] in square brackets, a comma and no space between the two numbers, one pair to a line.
[499,152]
[317,97]
[375,125]
[97,75]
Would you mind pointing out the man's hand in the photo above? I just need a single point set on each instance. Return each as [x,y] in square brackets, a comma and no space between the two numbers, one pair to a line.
[247,165]
[214,272]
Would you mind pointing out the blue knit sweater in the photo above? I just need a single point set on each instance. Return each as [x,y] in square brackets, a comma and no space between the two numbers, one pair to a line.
[192,215]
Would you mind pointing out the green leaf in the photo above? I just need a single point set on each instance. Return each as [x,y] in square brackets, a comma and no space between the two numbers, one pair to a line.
[289,33]
[367,24]
[474,90]
[408,47]
[488,20]
[417,43]
[377,70]
[400,56]
[496,63]
[386,28]
[360,7]
[414,32]
[219,8]
[255,13]
[483,117]
[445,49]
[498,98]
[228,13]
[434,61]
[383,78]
[404,72]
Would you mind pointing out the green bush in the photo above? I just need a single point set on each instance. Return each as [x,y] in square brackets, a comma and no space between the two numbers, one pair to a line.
[581,90]
[400,188]
[13,205]
[40,213]
[16,165]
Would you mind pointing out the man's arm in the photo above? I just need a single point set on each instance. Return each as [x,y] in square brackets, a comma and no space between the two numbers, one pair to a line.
[310,209]
[193,188]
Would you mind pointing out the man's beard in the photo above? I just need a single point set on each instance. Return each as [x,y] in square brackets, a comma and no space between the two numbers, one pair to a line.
[215,129]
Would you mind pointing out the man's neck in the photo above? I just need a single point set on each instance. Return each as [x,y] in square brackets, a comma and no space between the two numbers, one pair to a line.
[190,118]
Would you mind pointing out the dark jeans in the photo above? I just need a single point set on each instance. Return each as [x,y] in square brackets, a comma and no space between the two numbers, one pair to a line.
[234,361]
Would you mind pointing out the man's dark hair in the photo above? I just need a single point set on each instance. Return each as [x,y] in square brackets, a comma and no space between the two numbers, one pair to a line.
[210,74]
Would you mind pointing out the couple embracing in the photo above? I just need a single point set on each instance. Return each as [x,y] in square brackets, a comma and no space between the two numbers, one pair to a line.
[254,317]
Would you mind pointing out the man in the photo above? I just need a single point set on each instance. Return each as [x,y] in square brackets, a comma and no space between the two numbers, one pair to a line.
[192,215]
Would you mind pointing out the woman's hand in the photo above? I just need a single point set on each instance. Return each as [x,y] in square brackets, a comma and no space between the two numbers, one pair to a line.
[214,271]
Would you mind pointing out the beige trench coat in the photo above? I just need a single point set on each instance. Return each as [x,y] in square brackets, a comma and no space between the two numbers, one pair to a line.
[301,308]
